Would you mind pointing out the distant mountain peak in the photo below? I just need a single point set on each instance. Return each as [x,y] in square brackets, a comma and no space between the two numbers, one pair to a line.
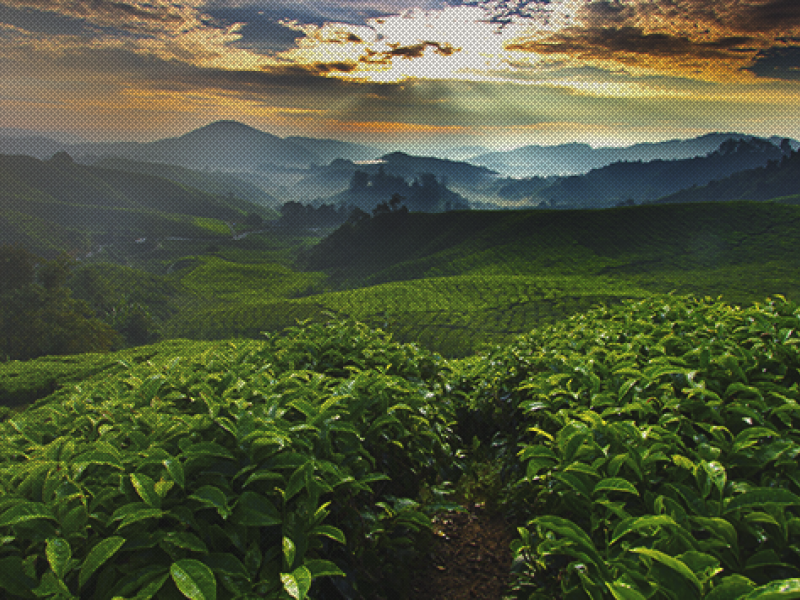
[228,127]
[227,124]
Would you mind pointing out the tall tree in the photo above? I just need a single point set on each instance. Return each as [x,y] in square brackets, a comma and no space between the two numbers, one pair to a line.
[39,315]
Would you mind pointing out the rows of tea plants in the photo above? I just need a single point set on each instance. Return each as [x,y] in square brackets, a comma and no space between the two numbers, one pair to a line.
[649,450]
[450,315]
[288,468]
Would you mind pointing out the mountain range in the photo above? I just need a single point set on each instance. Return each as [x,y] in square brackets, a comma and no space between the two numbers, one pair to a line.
[575,158]
[777,180]
[222,145]
[626,182]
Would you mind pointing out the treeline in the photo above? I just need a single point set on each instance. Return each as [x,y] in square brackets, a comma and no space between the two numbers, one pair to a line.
[296,215]
[40,316]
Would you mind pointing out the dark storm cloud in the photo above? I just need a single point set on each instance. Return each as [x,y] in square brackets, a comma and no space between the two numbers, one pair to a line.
[773,15]
[288,84]
[503,12]
[119,15]
[411,51]
[262,30]
[778,63]
[609,43]
[48,23]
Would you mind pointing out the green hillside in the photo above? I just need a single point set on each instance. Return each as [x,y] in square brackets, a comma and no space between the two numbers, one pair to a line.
[223,185]
[57,204]
[643,451]
[661,246]
[455,281]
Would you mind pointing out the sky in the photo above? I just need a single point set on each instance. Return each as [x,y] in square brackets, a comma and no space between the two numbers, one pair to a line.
[409,73]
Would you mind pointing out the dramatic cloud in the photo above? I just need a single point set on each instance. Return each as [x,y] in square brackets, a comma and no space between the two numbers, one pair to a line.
[778,63]
[494,72]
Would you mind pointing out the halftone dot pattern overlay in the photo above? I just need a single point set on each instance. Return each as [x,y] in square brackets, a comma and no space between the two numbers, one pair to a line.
[389,299]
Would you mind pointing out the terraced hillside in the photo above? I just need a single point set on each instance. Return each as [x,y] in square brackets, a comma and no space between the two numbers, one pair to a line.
[454,281]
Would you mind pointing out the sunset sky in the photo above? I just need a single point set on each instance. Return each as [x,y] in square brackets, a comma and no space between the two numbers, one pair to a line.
[498,73]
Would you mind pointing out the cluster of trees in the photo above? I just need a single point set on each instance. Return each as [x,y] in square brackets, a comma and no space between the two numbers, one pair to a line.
[41,317]
[297,215]
[426,192]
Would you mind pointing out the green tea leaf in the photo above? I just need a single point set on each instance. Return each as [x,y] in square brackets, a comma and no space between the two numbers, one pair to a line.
[776,590]
[146,488]
[616,484]
[207,449]
[186,540]
[175,470]
[213,497]
[716,473]
[135,512]
[635,523]
[719,527]
[27,511]
[758,497]
[288,552]
[297,583]
[255,510]
[58,555]
[323,568]
[329,531]
[571,531]
[226,564]
[194,579]
[97,457]
[151,588]
[671,562]
[733,587]
[622,591]
[98,556]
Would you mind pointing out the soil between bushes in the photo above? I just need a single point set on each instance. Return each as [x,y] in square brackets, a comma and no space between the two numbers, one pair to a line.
[470,558]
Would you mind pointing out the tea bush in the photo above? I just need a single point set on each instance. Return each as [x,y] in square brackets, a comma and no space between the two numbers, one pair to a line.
[255,470]
[655,450]
[645,451]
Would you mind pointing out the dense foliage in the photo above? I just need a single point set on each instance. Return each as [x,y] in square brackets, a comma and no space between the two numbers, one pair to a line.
[651,451]
[39,315]
[255,470]
[648,450]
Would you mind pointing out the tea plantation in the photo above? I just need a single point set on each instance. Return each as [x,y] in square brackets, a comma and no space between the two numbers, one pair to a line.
[647,450]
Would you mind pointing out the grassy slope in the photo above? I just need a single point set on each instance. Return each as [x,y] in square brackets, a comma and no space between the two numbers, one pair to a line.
[50,206]
[455,281]
[219,184]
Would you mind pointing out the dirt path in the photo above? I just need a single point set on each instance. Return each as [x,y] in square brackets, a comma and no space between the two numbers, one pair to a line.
[470,558]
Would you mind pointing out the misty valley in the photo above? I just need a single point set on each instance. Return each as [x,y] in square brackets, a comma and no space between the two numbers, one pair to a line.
[235,365]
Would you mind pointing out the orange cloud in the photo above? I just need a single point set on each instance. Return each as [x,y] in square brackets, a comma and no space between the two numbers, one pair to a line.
[397,128]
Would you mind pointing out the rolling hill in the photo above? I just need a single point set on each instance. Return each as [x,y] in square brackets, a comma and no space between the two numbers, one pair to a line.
[777,179]
[575,158]
[453,281]
[219,183]
[642,181]
[221,145]
[57,204]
